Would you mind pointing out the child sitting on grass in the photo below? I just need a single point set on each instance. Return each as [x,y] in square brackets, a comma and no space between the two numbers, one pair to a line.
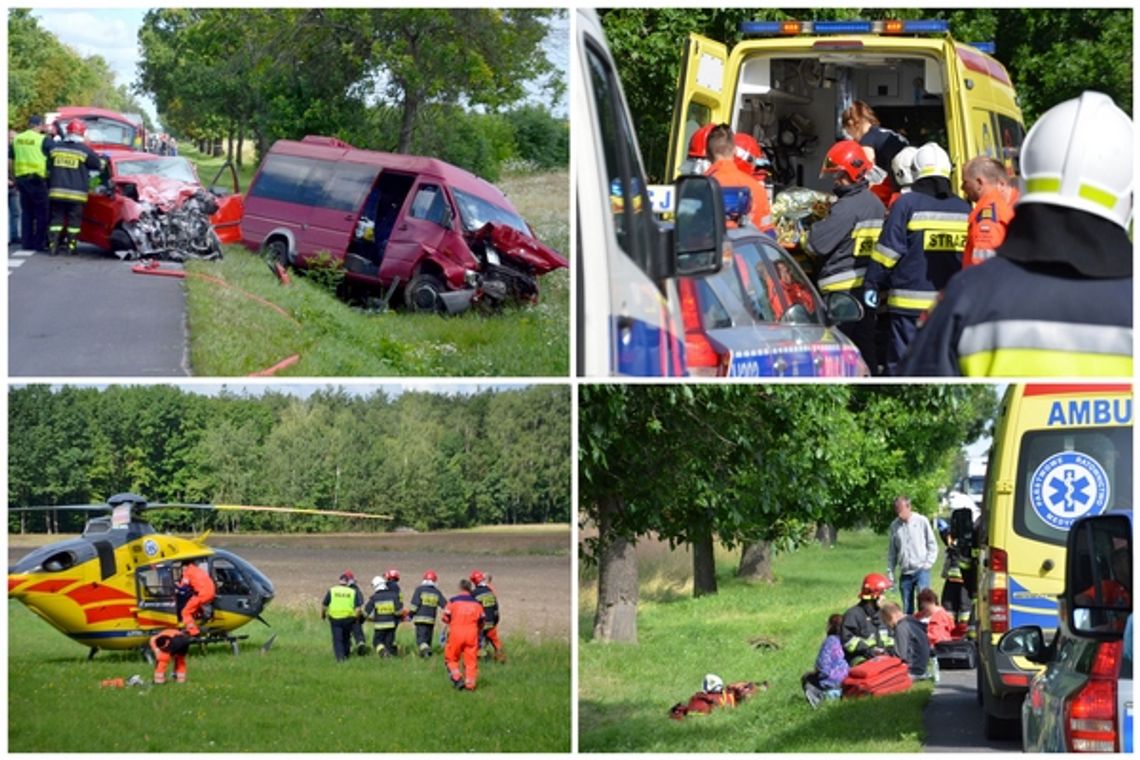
[830,667]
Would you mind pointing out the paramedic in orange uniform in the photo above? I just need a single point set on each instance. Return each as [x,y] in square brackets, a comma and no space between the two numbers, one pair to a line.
[464,617]
[722,152]
[166,645]
[986,184]
[199,581]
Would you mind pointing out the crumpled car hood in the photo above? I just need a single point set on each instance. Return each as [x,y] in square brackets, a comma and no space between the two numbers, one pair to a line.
[512,243]
[162,192]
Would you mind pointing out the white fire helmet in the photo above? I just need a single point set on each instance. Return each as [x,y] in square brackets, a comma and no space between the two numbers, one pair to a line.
[931,161]
[378,584]
[902,166]
[1079,155]
[712,683]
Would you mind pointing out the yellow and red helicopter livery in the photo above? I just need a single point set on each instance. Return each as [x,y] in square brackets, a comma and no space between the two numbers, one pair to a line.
[115,585]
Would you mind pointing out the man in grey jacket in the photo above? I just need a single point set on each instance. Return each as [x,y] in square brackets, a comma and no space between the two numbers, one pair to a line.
[910,546]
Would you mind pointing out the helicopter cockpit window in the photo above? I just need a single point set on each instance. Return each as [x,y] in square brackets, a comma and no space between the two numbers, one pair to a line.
[229,579]
[156,582]
[59,561]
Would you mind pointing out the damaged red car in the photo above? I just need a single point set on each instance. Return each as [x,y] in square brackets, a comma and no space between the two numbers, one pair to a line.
[440,235]
[145,205]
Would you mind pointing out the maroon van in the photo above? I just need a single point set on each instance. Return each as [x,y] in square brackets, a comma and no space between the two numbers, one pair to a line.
[439,234]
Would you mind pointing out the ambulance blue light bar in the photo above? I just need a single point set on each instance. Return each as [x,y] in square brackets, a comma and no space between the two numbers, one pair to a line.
[989,48]
[849,26]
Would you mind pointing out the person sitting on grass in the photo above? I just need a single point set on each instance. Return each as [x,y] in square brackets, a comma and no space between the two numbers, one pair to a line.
[830,667]
[910,644]
[939,624]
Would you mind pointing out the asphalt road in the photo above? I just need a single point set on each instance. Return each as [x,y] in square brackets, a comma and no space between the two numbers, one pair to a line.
[88,315]
[953,717]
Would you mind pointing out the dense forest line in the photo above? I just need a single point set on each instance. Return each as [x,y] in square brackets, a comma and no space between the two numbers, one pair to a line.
[430,460]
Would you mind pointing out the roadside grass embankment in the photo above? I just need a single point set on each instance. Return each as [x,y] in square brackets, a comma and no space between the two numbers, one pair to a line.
[295,698]
[625,692]
[232,334]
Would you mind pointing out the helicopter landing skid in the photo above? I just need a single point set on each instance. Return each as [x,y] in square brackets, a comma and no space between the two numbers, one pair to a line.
[202,640]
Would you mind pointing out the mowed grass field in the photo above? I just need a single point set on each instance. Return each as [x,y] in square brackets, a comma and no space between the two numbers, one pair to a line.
[625,692]
[296,698]
[232,334]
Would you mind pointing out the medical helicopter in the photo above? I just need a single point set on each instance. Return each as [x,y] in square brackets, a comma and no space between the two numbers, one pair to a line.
[116,585]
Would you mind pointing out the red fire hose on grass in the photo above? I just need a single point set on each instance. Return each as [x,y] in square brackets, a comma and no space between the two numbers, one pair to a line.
[152,267]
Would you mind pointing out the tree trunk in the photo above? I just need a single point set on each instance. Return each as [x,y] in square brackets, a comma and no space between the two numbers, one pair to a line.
[704,565]
[616,616]
[826,534]
[230,144]
[407,122]
[240,145]
[756,562]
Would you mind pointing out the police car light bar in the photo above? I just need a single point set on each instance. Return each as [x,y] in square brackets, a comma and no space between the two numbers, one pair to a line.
[850,26]
[989,48]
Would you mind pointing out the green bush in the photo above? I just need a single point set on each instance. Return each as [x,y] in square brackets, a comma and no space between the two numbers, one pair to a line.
[540,138]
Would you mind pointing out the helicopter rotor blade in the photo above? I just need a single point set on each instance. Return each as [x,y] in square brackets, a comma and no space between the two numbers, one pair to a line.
[72,507]
[263,621]
[298,511]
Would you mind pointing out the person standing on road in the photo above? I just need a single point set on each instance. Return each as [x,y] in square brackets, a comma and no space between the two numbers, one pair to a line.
[427,600]
[464,618]
[28,167]
[69,162]
[862,632]
[986,186]
[341,606]
[1056,300]
[912,548]
[845,238]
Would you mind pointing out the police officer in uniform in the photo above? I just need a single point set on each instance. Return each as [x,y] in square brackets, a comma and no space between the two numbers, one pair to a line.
[1057,297]
[863,633]
[29,168]
[845,238]
[427,600]
[919,250]
[69,162]
[341,606]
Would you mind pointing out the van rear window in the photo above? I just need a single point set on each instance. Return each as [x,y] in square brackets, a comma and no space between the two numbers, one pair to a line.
[1066,474]
[310,182]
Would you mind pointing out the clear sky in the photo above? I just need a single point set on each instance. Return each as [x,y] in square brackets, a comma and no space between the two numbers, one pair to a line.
[113,34]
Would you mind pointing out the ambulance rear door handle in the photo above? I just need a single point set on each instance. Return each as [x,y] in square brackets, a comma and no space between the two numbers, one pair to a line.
[1047,565]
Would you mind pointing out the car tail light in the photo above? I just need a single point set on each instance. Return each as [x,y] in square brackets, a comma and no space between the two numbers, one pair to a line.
[999,597]
[1090,712]
[701,359]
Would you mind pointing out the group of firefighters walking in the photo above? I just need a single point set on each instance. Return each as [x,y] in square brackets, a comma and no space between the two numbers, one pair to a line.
[52,175]
[471,617]
[1055,294]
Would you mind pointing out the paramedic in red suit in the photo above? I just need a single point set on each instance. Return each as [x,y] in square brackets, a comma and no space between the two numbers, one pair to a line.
[199,581]
[464,617]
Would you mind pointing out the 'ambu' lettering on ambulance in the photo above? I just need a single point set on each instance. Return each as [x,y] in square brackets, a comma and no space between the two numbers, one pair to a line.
[1101,411]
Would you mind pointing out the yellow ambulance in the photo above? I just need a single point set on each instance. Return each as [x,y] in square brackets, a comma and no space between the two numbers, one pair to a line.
[1060,452]
[787,83]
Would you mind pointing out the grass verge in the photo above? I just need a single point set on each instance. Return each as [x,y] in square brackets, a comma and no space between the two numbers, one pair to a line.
[231,334]
[625,692]
[296,698]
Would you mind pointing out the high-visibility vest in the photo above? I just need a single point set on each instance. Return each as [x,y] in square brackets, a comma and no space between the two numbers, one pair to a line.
[342,602]
[29,158]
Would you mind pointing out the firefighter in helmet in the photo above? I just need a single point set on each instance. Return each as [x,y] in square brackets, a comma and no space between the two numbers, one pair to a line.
[863,633]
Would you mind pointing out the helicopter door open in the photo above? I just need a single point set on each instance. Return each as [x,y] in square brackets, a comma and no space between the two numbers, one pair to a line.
[233,589]
[155,584]
[701,98]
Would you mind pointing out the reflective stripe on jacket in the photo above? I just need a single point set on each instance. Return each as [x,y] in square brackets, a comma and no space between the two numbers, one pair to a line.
[846,237]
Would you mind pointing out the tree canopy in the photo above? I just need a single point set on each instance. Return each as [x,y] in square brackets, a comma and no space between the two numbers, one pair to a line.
[1052,54]
[431,460]
[44,74]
